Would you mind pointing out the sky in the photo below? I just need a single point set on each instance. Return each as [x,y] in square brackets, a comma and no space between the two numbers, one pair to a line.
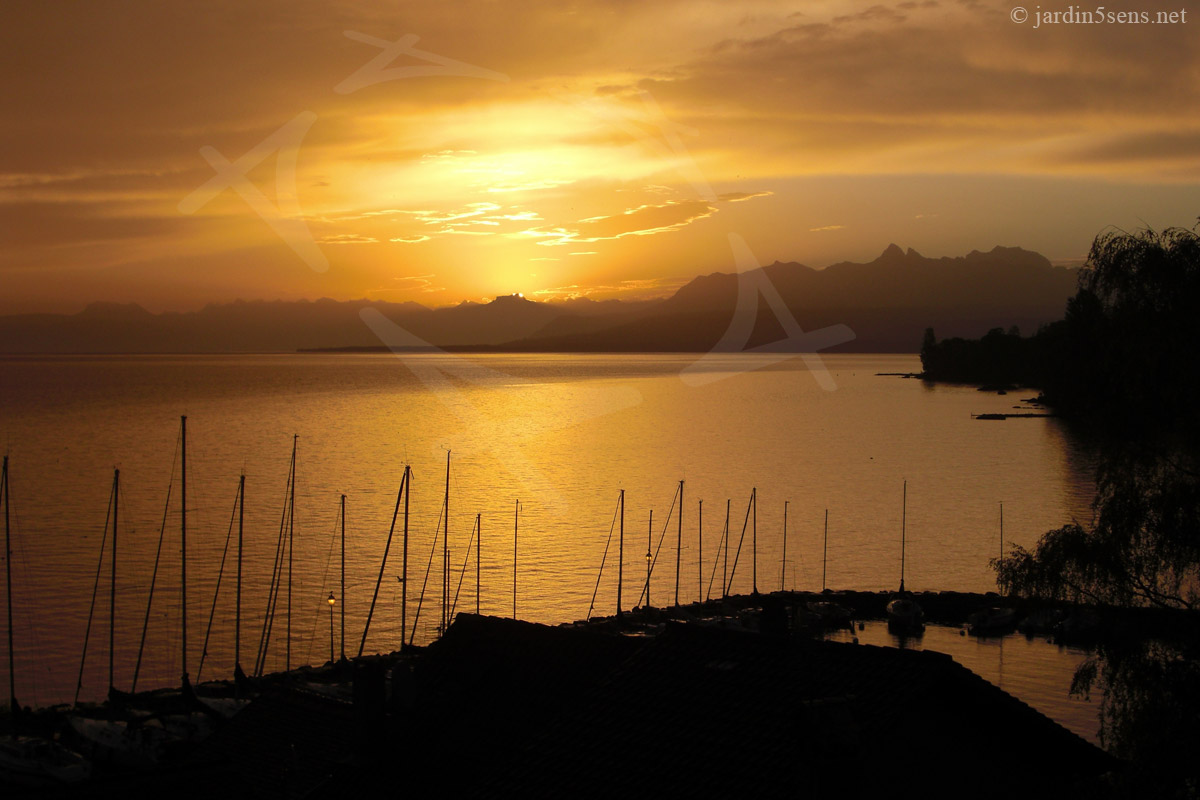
[179,154]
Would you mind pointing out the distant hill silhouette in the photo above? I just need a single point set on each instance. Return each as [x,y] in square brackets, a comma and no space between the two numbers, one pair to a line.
[888,303]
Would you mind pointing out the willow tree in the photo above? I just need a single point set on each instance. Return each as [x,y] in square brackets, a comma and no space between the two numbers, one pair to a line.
[1125,374]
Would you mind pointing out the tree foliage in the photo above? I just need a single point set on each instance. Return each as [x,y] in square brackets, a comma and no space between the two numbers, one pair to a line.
[1122,367]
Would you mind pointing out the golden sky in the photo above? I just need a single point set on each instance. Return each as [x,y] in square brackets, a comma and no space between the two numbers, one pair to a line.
[175,154]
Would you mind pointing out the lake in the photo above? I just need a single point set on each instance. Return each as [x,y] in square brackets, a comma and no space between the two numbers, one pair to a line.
[561,435]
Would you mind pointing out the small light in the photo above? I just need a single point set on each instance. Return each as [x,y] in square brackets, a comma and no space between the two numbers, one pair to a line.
[331,600]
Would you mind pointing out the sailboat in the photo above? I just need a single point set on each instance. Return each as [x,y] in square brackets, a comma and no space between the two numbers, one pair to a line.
[995,620]
[143,740]
[904,614]
[136,743]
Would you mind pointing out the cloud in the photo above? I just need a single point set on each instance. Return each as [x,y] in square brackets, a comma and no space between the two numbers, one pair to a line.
[97,148]
[827,228]
[420,283]
[631,289]
[349,238]
[645,220]
[739,197]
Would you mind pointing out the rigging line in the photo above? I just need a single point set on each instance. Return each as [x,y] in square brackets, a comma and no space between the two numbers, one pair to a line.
[424,583]
[662,536]
[112,498]
[217,592]
[260,659]
[162,532]
[383,563]
[272,587]
[463,573]
[733,571]
[333,538]
[277,579]
[723,543]
[319,615]
[603,559]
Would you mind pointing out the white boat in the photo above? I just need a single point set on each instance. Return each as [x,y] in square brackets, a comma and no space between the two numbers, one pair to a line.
[119,743]
[904,614]
[827,614]
[38,763]
[224,707]
[993,620]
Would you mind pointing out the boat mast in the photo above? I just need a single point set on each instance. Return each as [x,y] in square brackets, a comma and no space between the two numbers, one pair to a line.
[1000,563]
[446,553]
[183,540]
[287,664]
[679,544]
[478,557]
[516,513]
[407,482]
[12,675]
[344,578]
[725,568]
[112,584]
[700,554]
[237,615]
[825,551]
[754,540]
[783,571]
[903,526]
[620,555]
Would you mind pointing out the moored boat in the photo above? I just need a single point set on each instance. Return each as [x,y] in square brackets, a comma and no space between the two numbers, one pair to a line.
[904,614]
[35,762]
[992,620]
[119,743]
[826,614]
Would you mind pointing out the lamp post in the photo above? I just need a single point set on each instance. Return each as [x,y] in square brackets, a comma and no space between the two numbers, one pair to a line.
[332,602]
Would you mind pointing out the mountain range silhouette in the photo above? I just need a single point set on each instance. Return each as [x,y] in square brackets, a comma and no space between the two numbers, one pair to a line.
[887,303]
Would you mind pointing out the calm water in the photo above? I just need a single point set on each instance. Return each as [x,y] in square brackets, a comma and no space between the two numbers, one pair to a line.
[1031,668]
[561,434]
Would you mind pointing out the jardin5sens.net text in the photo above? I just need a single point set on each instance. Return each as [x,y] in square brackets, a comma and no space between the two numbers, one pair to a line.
[1099,15]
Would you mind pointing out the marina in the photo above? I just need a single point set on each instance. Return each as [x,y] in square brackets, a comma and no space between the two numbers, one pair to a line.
[388,568]
[357,440]
[362,708]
